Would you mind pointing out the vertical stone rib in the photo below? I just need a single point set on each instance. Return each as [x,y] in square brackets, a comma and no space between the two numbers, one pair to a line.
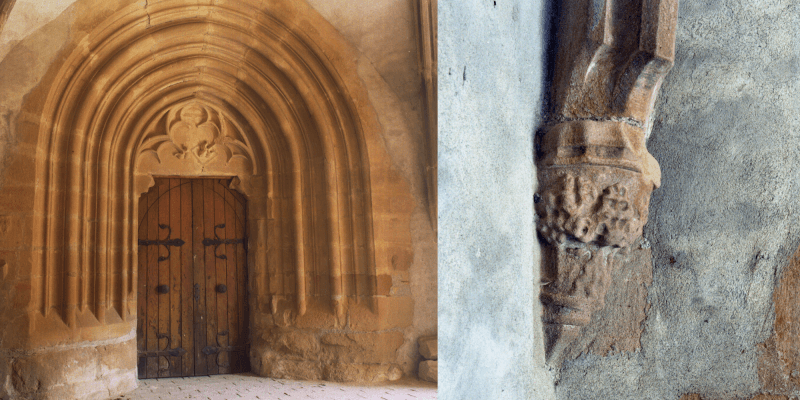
[124,261]
[427,15]
[659,27]
[74,213]
[5,10]
[338,208]
[300,269]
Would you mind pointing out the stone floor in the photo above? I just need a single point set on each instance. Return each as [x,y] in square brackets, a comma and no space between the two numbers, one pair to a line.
[248,386]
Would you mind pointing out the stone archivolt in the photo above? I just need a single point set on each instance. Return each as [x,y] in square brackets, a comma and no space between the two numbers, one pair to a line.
[218,89]
[595,174]
[145,66]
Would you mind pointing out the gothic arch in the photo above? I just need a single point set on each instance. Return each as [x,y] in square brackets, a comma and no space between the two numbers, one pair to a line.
[308,183]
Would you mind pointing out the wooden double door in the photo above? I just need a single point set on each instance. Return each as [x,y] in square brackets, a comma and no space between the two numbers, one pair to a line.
[192,294]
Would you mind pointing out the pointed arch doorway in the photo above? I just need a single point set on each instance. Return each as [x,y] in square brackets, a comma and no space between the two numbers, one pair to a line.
[264,92]
[192,291]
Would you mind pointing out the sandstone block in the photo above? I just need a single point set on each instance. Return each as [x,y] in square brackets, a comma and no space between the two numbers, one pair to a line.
[428,347]
[362,347]
[391,312]
[429,371]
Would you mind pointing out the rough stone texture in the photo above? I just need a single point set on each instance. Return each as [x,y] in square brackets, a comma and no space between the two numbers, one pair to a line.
[695,396]
[338,356]
[429,371]
[249,386]
[618,327]
[429,347]
[724,223]
[490,88]
[779,360]
[95,371]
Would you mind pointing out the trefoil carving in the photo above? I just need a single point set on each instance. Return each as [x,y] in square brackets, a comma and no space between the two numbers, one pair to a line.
[193,139]
[199,133]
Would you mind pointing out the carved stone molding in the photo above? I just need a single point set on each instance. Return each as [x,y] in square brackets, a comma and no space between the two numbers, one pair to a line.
[5,11]
[595,174]
[251,100]
[193,139]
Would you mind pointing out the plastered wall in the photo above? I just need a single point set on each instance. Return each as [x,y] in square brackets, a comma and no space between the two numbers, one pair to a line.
[491,57]
[723,226]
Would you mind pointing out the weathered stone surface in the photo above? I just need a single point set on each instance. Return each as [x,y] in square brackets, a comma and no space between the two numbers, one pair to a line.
[618,326]
[695,396]
[596,179]
[340,356]
[429,371]
[429,347]
[595,173]
[779,358]
[723,226]
[86,373]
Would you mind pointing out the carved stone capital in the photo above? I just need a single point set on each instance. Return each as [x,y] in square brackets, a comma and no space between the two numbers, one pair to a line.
[594,172]
[595,179]
[595,184]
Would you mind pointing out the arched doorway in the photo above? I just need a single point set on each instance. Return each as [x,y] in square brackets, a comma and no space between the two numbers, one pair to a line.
[295,131]
[192,287]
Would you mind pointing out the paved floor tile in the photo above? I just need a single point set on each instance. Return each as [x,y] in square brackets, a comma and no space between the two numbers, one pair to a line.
[249,386]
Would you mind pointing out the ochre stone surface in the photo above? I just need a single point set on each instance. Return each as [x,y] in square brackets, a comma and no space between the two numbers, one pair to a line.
[95,371]
[695,396]
[779,356]
[429,347]
[5,10]
[429,370]
[329,148]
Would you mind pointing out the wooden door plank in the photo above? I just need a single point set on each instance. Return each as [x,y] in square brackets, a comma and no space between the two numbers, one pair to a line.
[223,328]
[175,275]
[187,280]
[152,282]
[199,288]
[163,276]
[243,360]
[141,291]
[231,263]
[211,274]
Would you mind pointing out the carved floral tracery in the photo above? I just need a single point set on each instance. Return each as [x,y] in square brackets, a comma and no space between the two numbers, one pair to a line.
[193,139]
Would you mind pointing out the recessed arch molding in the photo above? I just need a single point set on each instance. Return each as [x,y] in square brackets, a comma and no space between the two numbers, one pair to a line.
[235,89]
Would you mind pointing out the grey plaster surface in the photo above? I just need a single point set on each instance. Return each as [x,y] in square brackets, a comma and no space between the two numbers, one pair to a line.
[725,222]
[490,90]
